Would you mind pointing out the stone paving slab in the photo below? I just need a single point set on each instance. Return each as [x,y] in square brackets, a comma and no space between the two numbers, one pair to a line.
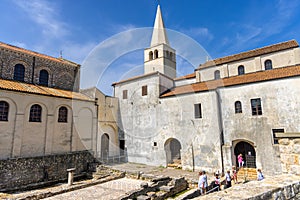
[275,187]
[109,190]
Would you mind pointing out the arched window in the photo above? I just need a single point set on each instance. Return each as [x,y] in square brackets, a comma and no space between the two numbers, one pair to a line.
[167,54]
[19,72]
[44,76]
[155,53]
[268,64]
[241,70]
[63,114]
[171,55]
[4,107]
[35,113]
[238,107]
[217,74]
[150,55]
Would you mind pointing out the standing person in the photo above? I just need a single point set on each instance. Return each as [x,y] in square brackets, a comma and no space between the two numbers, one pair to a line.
[240,160]
[260,176]
[228,179]
[217,183]
[202,183]
[234,174]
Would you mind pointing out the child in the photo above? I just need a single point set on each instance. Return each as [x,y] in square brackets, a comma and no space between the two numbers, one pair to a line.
[234,174]
[217,183]
[260,176]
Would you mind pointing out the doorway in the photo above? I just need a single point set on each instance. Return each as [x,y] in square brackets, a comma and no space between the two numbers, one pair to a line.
[172,149]
[104,146]
[248,152]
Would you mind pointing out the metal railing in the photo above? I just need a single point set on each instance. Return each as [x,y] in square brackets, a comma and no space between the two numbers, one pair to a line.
[250,161]
[105,157]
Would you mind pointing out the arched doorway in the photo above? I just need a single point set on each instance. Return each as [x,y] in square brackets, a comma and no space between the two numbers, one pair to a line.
[172,149]
[105,145]
[248,152]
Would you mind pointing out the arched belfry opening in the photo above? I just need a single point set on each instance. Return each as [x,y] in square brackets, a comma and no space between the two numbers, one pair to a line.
[248,152]
[150,55]
[173,148]
[155,53]
[105,145]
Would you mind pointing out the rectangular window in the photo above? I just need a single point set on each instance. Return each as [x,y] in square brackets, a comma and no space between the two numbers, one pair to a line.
[275,139]
[144,90]
[256,106]
[125,94]
[197,108]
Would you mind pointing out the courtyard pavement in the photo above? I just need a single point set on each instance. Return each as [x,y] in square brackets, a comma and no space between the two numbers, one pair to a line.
[109,190]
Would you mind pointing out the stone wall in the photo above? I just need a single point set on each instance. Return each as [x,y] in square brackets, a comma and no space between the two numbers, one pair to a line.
[62,74]
[289,155]
[20,173]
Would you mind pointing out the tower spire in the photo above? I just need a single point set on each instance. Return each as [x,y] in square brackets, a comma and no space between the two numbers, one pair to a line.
[159,35]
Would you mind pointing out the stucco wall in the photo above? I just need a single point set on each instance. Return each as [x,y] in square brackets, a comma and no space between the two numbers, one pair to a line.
[280,109]
[279,59]
[19,137]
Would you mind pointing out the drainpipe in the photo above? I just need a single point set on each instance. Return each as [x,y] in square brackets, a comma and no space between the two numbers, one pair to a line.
[97,117]
[220,122]
[33,66]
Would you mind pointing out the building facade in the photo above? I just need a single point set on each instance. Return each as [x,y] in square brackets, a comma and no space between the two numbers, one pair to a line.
[228,106]
[41,109]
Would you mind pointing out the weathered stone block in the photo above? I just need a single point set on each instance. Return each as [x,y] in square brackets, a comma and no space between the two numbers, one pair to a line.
[296,148]
[296,141]
[284,141]
[143,197]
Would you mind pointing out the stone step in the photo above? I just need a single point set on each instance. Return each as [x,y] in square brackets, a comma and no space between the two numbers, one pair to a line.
[247,173]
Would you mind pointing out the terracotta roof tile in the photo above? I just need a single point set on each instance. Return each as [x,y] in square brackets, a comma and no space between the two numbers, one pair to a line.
[41,90]
[193,75]
[32,53]
[138,77]
[252,53]
[260,76]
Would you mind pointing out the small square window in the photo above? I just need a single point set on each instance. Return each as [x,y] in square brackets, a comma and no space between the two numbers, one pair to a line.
[155,144]
[144,90]
[125,93]
[275,139]
[197,110]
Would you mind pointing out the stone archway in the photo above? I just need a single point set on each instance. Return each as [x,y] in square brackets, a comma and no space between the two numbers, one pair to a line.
[105,145]
[248,152]
[173,148]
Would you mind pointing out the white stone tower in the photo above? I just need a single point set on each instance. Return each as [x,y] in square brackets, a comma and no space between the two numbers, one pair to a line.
[160,56]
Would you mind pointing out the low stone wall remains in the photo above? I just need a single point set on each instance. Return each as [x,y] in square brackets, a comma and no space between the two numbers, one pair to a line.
[31,172]
[289,149]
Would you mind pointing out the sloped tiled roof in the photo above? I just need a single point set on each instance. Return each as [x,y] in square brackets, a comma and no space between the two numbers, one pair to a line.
[32,53]
[267,75]
[248,54]
[40,90]
[140,76]
[188,76]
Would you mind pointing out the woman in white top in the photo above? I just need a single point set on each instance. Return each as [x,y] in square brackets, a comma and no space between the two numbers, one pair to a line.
[202,183]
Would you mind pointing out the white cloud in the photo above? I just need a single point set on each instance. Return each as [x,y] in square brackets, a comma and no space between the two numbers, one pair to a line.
[19,44]
[201,33]
[44,14]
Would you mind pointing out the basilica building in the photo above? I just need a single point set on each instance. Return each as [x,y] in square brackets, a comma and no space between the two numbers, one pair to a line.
[238,104]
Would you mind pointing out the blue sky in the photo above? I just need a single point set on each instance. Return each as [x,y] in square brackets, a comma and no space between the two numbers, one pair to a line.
[78,27]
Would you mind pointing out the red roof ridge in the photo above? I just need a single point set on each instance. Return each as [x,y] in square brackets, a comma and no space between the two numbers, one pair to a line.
[23,50]
[252,53]
[254,77]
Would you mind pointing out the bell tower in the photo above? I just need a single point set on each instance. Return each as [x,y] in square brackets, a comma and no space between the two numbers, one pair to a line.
[160,56]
